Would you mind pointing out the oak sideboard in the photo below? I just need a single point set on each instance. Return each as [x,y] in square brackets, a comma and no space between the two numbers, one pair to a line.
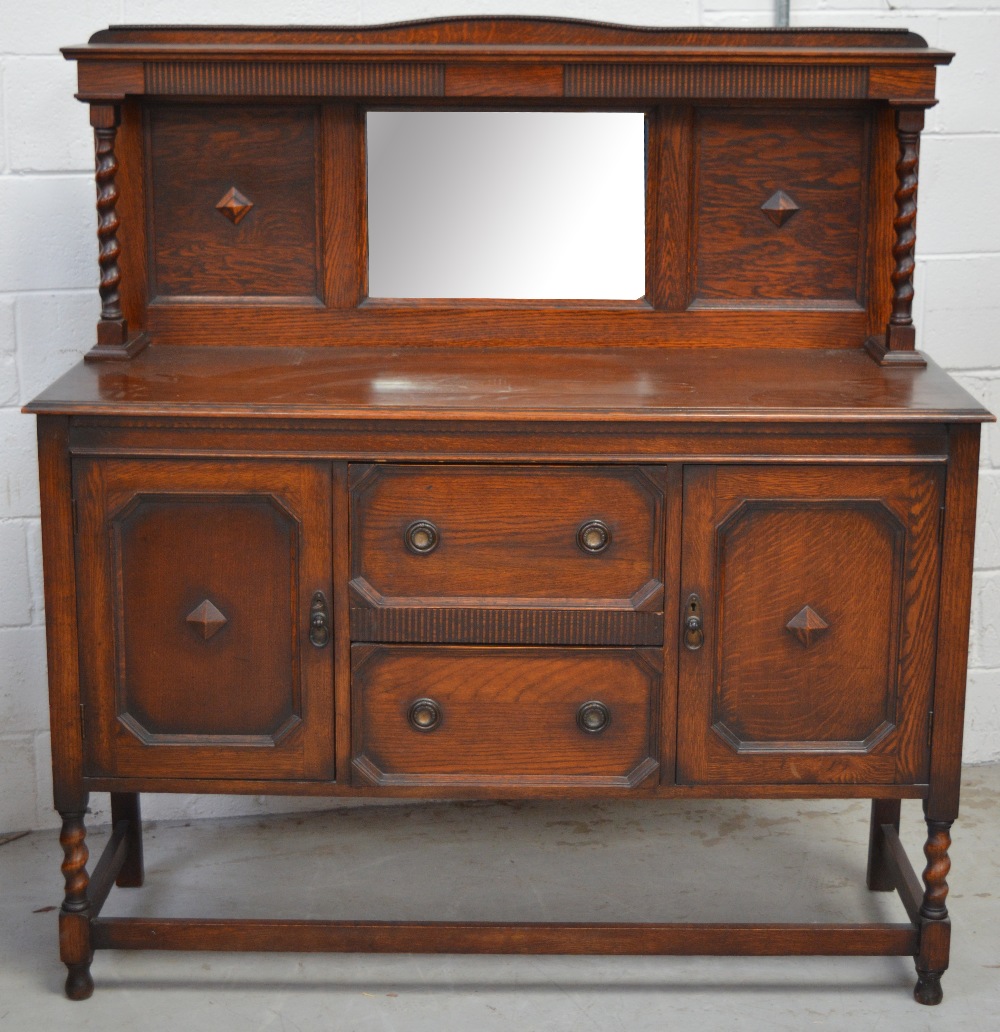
[712,540]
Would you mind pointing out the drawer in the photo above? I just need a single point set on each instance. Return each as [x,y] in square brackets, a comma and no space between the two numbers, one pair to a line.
[506,717]
[516,554]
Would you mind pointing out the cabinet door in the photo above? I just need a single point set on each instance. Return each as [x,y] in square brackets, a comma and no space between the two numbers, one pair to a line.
[818,596]
[196,583]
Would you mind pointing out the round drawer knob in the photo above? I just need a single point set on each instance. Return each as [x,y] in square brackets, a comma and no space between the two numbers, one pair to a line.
[424,715]
[593,717]
[421,537]
[594,536]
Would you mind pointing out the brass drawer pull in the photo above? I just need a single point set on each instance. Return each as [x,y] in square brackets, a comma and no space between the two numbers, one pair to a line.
[594,536]
[319,621]
[694,632]
[421,537]
[593,717]
[424,715]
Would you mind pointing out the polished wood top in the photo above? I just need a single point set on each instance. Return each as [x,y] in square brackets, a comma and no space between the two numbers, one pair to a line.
[691,385]
[492,34]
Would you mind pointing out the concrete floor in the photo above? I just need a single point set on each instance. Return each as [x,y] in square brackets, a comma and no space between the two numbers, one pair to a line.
[742,860]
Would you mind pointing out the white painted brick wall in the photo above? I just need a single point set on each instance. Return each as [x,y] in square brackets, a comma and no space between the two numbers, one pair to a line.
[48,300]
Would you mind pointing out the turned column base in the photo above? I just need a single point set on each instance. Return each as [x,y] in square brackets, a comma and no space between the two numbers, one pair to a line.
[79,981]
[928,988]
[887,354]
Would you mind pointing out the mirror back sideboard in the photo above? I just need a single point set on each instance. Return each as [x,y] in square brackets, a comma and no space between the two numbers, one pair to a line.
[710,541]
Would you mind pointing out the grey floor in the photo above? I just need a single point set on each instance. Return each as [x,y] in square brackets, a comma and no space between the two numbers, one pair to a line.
[743,860]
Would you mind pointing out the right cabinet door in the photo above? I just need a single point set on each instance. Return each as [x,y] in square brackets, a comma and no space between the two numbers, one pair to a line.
[816,593]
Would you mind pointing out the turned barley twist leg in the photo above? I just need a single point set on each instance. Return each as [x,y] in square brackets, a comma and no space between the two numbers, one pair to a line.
[935,931]
[74,917]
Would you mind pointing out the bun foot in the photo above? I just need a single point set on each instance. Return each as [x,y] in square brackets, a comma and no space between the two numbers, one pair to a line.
[928,988]
[79,984]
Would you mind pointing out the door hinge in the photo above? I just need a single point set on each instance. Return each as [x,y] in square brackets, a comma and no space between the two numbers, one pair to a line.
[930,726]
[941,525]
[83,722]
[76,515]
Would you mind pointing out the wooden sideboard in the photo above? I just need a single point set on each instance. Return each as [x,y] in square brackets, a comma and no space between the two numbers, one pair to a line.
[713,542]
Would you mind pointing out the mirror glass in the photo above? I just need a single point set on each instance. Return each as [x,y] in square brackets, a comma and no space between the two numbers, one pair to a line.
[506,204]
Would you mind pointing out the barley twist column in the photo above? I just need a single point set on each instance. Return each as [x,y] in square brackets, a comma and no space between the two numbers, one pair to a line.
[74,917]
[935,929]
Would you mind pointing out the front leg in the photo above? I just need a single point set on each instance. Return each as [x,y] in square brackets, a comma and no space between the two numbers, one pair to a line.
[935,926]
[74,916]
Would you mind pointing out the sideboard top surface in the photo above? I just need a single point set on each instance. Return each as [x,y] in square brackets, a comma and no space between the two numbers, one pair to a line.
[676,384]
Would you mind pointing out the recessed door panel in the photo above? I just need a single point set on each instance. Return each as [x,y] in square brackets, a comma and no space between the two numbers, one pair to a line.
[817,596]
[198,583]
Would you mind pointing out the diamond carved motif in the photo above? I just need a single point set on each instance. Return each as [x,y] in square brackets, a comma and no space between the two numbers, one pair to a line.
[234,205]
[779,207]
[207,619]
[807,625]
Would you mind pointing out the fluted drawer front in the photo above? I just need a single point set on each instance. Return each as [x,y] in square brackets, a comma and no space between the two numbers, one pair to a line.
[438,552]
[437,715]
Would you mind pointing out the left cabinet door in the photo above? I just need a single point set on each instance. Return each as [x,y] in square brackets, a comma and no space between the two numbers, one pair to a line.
[196,582]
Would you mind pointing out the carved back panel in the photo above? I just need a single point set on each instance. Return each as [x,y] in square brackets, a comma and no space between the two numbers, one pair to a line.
[780,180]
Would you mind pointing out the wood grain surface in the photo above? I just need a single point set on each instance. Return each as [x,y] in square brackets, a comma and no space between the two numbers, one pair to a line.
[154,541]
[507,535]
[507,715]
[196,154]
[775,602]
[704,386]
[859,546]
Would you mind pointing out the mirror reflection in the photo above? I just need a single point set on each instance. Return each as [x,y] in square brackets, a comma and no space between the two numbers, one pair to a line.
[506,204]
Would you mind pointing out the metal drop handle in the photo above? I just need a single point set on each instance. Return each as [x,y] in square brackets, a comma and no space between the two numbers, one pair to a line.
[694,631]
[319,621]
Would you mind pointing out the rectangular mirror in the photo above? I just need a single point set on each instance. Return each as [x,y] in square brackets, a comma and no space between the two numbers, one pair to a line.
[506,204]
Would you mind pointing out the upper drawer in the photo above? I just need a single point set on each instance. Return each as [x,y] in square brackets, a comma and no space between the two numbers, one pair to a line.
[554,554]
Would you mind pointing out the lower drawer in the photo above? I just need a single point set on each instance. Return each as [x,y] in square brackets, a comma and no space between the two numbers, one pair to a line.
[506,717]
